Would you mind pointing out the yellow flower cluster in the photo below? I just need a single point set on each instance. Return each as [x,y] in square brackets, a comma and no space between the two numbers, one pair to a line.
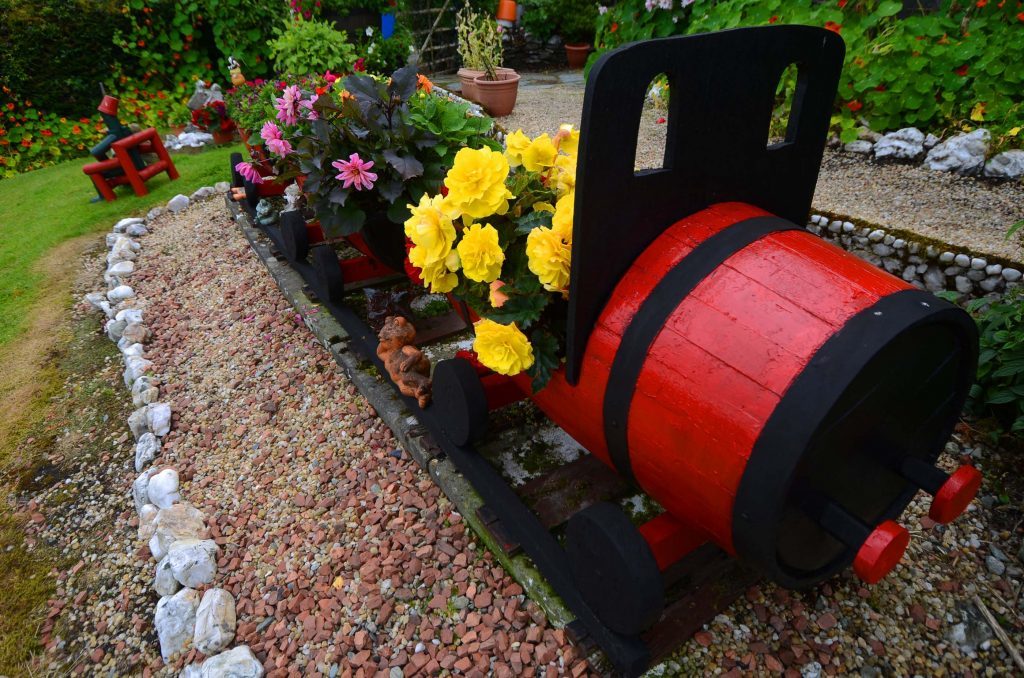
[476,183]
[556,157]
[549,250]
[502,348]
[432,233]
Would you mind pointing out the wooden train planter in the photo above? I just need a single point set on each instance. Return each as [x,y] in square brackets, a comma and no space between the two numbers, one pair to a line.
[780,399]
[777,396]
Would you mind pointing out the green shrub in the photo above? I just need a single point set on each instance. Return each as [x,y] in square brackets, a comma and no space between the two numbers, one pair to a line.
[999,389]
[953,69]
[56,53]
[306,46]
[539,17]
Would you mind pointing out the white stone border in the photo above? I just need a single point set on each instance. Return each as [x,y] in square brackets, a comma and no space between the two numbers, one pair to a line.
[923,265]
[174,529]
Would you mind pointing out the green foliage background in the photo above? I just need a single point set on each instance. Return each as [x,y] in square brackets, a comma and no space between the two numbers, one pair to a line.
[959,67]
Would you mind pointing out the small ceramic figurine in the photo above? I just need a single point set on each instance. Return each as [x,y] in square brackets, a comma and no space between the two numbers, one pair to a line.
[235,70]
[406,364]
[291,197]
[199,97]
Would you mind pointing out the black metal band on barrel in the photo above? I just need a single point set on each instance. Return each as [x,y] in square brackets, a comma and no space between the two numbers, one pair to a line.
[654,313]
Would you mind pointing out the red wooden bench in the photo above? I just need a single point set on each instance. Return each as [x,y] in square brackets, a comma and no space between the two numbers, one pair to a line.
[119,170]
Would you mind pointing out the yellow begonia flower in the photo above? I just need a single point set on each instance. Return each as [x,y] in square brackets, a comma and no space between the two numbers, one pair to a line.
[543,207]
[502,348]
[540,154]
[565,175]
[476,183]
[515,145]
[480,253]
[569,140]
[549,256]
[430,228]
[561,223]
[436,274]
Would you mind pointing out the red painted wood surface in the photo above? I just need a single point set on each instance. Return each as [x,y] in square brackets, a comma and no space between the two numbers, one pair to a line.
[726,356]
[314,234]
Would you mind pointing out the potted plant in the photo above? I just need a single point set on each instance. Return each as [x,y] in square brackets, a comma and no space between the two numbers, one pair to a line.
[479,43]
[577,23]
[214,118]
[496,89]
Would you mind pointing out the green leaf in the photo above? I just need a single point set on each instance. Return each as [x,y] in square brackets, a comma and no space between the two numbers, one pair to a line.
[407,166]
[528,222]
[545,358]
[522,309]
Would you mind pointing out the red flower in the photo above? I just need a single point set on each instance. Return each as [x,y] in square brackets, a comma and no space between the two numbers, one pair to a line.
[962,71]
[615,27]
[660,121]
[10,106]
[1020,16]
[46,133]
[775,17]
[842,3]
[26,143]
[833,26]
[980,3]
[880,88]
[854,105]
[360,65]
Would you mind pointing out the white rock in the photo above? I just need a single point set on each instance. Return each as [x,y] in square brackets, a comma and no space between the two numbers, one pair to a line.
[964,285]
[203,193]
[947,257]
[135,368]
[146,450]
[133,351]
[934,279]
[120,293]
[111,238]
[930,141]
[114,329]
[215,622]
[963,154]
[136,333]
[96,298]
[137,423]
[977,263]
[154,213]
[129,315]
[164,582]
[158,418]
[238,662]
[860,146]
[962,260]
[222,186]
[876,235]
[835,226]
[904,144]
[116,272]
[163,488]
[193,561]
[140,488]
[178,203]
[147,514]
[175,622]
[1006,165]
[122,225]
[137,230]
[1011,275]
[191,671]
[144,391]
[994,269]
[181,521]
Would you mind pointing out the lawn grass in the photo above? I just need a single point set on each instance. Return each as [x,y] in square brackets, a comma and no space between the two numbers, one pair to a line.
[41,209]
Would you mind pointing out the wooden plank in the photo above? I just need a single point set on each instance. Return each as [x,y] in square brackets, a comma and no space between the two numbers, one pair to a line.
[570,488]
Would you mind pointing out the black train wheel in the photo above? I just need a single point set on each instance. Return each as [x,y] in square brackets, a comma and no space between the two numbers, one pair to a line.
[459,401]
[614,569]
[236,178]
[294,239]
[328,272]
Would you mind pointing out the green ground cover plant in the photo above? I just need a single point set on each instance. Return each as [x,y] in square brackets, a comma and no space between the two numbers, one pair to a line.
[28,232]
[956,68]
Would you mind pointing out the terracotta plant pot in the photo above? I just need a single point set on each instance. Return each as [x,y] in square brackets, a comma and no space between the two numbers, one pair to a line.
[576,55]
[506,11]
[498,96]
[223,137]
[468,76]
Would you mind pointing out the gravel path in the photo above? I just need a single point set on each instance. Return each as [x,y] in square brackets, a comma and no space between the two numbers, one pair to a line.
[957,210]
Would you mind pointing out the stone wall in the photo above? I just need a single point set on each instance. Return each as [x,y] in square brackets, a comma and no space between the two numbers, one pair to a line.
[927,265]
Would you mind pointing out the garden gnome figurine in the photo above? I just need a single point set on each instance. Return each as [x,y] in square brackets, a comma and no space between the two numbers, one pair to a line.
[235,70]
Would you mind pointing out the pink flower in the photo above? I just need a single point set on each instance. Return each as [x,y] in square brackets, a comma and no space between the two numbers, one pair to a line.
[279,147]
[355,172]
[270,131]
[330,77]
[249,172]
[288,105]
[308,105]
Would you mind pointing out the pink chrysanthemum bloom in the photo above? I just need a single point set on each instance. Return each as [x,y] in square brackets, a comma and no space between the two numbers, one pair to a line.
[288,105]
[308,105]
[355,172]
[249,172]
[280,147]
[270,131]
